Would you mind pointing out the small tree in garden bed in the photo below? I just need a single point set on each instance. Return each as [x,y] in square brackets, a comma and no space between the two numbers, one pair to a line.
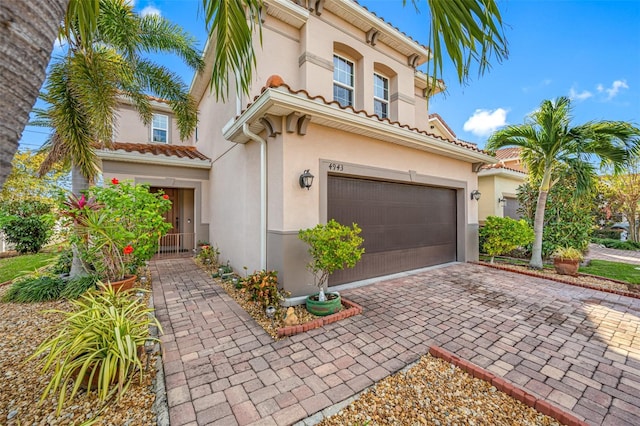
[500,235]
[332,247]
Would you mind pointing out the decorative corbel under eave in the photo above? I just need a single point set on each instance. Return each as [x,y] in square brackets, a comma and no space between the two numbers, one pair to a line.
[319,7]
[273,125]
[372,36]
[292,122]
[303,122]
[475,167]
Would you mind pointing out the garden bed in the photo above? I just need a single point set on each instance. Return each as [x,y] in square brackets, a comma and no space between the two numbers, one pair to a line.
[275,327]
[23,327]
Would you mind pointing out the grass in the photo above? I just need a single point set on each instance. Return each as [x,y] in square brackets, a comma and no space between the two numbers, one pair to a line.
[13,267]
[615,270]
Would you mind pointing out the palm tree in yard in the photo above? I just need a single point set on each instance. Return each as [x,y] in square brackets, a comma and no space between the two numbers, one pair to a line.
[102,67]
[550,144]
[467,31]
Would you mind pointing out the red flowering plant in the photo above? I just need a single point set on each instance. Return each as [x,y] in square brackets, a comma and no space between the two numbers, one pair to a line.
[118,227]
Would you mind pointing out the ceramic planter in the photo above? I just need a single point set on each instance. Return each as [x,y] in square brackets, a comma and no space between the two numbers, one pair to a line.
[125,284]
[330,306]
[566,266]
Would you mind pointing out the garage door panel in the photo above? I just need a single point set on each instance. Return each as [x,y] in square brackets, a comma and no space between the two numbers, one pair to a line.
[404,226]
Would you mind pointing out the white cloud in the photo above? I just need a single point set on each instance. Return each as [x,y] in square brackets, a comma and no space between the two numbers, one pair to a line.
[614,89]
[585,94]
[483,122]
[150,10]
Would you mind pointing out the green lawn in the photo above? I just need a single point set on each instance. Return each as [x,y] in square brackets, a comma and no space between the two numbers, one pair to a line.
[618,271]
[13,267]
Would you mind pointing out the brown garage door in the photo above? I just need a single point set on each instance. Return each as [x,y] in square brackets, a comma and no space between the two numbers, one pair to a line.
[404,226]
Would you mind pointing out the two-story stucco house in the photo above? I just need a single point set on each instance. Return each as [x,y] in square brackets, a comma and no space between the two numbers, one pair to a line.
[337,94]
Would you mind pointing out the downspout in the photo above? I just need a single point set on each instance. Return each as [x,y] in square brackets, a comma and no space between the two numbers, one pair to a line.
[263,192]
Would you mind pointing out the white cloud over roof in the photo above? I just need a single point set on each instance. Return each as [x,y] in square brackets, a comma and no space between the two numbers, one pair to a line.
[150,10]
[483,122]
[579,96]
[615,88]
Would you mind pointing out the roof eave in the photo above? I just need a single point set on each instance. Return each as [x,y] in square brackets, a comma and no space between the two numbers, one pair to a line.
[503,172]
[279,102]
[148,158]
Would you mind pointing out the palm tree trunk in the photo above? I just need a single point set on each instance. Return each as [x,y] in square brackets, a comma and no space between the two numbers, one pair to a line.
[538,223]
[27,30]
[78,183]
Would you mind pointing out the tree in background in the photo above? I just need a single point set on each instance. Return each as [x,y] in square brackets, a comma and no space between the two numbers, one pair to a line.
[467,31]
[551,145]
[622,191]
[26,223]
[24,181]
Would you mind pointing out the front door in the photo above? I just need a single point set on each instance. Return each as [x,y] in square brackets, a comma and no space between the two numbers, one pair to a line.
[172,216]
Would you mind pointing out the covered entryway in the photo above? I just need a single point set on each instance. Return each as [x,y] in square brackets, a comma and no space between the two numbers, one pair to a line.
[180,239]
[404,226]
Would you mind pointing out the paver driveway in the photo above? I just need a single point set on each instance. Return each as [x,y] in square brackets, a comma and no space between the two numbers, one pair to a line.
[577,348]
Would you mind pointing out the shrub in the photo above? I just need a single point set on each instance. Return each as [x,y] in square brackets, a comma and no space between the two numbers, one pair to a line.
[35,289]
[617,244]
[77,286]
[568,218]
[27,224]
[332,246]
[501,235]
[208,252]
[99,341]
[262,287]
[607,233]
[63,263]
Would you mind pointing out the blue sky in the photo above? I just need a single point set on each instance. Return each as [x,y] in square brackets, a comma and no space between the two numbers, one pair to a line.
[588,50]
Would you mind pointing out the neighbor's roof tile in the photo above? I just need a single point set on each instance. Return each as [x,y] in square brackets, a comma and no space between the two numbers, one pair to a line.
[180,151]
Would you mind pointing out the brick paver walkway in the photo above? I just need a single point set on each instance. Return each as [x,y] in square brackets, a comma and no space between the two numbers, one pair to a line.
[577,348]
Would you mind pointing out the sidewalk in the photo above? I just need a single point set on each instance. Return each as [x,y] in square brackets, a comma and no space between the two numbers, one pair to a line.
[613,255]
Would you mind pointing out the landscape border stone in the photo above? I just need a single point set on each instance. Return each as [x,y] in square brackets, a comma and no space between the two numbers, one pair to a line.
[502,385]
[349,309]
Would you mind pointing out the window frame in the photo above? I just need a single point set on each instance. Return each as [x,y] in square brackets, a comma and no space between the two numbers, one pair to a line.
[342,85]
[379,99]
[154,128]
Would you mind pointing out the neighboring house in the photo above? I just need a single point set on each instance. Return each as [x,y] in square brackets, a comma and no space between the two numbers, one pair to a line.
[336,94]
[498,184]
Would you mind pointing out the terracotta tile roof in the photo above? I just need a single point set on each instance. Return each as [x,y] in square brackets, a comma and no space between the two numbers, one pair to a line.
[180,151]
[503,167]
[507,153]
[275,81]
[444,123]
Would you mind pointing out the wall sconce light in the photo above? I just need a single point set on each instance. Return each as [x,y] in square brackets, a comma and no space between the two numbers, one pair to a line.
[306,179]
[502,201]
[475,195]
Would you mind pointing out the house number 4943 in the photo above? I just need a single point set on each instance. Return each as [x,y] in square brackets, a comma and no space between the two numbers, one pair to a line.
[336,166]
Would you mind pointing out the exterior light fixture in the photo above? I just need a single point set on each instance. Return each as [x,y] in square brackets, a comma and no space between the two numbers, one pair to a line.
[475,195]
[502,201]
[306,179]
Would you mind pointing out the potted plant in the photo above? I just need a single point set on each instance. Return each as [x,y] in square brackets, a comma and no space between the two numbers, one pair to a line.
[99,345]
[332,246]
[566,260]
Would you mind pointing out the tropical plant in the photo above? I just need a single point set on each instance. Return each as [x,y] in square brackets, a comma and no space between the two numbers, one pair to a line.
[208,254]
[567,253]
[470,31]
[332,246]
[262,287]
[500,235]
[550,144]
[35,288]
[622,191]
[117,228]
[24,181]
[99,342]
[27,224]
[75,287]
[103,66]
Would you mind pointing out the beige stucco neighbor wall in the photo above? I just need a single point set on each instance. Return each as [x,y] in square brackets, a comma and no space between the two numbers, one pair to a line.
[129,127]
[496,186]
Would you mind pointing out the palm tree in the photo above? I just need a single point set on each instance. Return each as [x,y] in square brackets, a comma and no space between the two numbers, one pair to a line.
[103,66]
[549,145]
[468,31]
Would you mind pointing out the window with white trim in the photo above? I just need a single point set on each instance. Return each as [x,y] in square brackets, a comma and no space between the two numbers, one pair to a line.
[343,80]
[380,95]
[160,128]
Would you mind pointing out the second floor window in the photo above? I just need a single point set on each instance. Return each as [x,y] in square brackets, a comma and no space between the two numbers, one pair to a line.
[381,96]
[160,128]
[342,81]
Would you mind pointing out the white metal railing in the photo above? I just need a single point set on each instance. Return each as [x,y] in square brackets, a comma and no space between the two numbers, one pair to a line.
[172,245]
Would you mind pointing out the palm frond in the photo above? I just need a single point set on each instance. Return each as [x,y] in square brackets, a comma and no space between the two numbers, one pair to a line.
[232,33]
[159,34]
